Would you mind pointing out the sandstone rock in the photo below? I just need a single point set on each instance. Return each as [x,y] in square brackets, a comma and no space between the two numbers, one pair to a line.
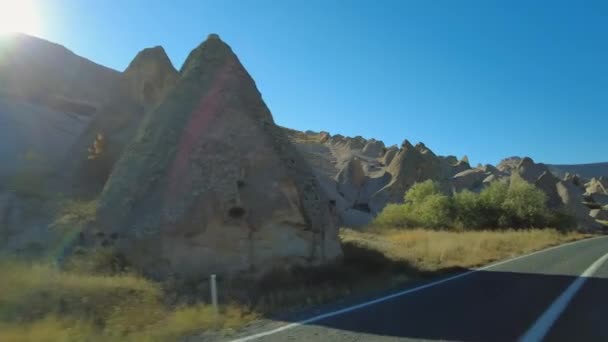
[509,164]
[597,186]
[372,185]
[150,76]
[39,72]
[353,218]
[144,84]
[324,137]
[389,155]
[529,170]
[574,179]
[459,167]
[452,160]
[407,167]
[571,197]
[212,185]
[547,182]
[469,179]
[490,169]
[373,148]
[490,179]
[599,214]
[350,180]
[600,199]
[47,97]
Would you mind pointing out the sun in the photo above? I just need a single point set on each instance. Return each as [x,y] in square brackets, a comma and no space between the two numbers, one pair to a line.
[19,16]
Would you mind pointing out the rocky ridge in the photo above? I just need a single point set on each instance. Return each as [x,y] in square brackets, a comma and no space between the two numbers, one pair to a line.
[362,183]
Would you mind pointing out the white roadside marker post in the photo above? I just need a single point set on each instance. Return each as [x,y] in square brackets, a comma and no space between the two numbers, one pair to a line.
[214,293]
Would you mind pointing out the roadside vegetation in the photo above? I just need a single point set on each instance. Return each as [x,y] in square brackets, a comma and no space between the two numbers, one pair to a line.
[93,295]
[43,303]
[517,205]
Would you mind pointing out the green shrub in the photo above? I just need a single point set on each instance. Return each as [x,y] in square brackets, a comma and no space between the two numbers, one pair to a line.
[561,219]
[394,215]
[433,212]
[468,210]
[500,205]
[525,205]
[491,200]
[425,206]
[99,261]
[419,192]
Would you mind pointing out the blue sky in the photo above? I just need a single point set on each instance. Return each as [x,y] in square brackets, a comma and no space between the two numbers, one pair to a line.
[489,79]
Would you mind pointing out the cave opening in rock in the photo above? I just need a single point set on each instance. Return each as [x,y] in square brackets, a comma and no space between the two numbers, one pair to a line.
[362,207]
[236,212]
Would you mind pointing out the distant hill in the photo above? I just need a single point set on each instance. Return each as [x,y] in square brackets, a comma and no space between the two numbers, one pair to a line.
[584,170]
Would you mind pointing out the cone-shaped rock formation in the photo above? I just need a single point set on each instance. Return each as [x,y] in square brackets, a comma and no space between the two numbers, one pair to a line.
[211,184]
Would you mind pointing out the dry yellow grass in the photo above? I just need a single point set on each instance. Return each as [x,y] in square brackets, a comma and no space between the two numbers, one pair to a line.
[429,250]
[42,303]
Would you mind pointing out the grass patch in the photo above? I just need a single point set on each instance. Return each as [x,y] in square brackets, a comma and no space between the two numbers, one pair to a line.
[43,303]
[429,250]
[383,258]
[89,301]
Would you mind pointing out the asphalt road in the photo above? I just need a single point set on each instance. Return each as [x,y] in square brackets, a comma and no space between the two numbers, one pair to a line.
[537,297]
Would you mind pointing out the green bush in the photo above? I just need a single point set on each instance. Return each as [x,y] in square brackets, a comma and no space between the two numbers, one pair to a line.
[419,192]
[469,210]
[525,205]
[491,200]
[425,206]
[394,215]
[433,212]
[500,205]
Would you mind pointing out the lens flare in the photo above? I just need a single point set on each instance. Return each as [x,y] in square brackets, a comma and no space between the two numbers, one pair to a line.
[19,16]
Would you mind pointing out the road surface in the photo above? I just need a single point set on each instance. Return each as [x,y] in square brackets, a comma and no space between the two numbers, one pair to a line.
[559,294]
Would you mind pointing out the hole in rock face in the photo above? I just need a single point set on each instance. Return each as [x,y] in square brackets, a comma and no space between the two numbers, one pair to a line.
[236,212]
[240,183]
[114,236]
[362,207]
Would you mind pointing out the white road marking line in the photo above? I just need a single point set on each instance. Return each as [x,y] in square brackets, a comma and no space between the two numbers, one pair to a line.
[398,294]
[543,324]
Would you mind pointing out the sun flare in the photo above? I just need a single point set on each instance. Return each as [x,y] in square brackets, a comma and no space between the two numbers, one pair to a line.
[19,16]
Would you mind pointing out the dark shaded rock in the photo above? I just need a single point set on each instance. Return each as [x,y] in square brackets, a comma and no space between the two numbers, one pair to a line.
[599,214]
